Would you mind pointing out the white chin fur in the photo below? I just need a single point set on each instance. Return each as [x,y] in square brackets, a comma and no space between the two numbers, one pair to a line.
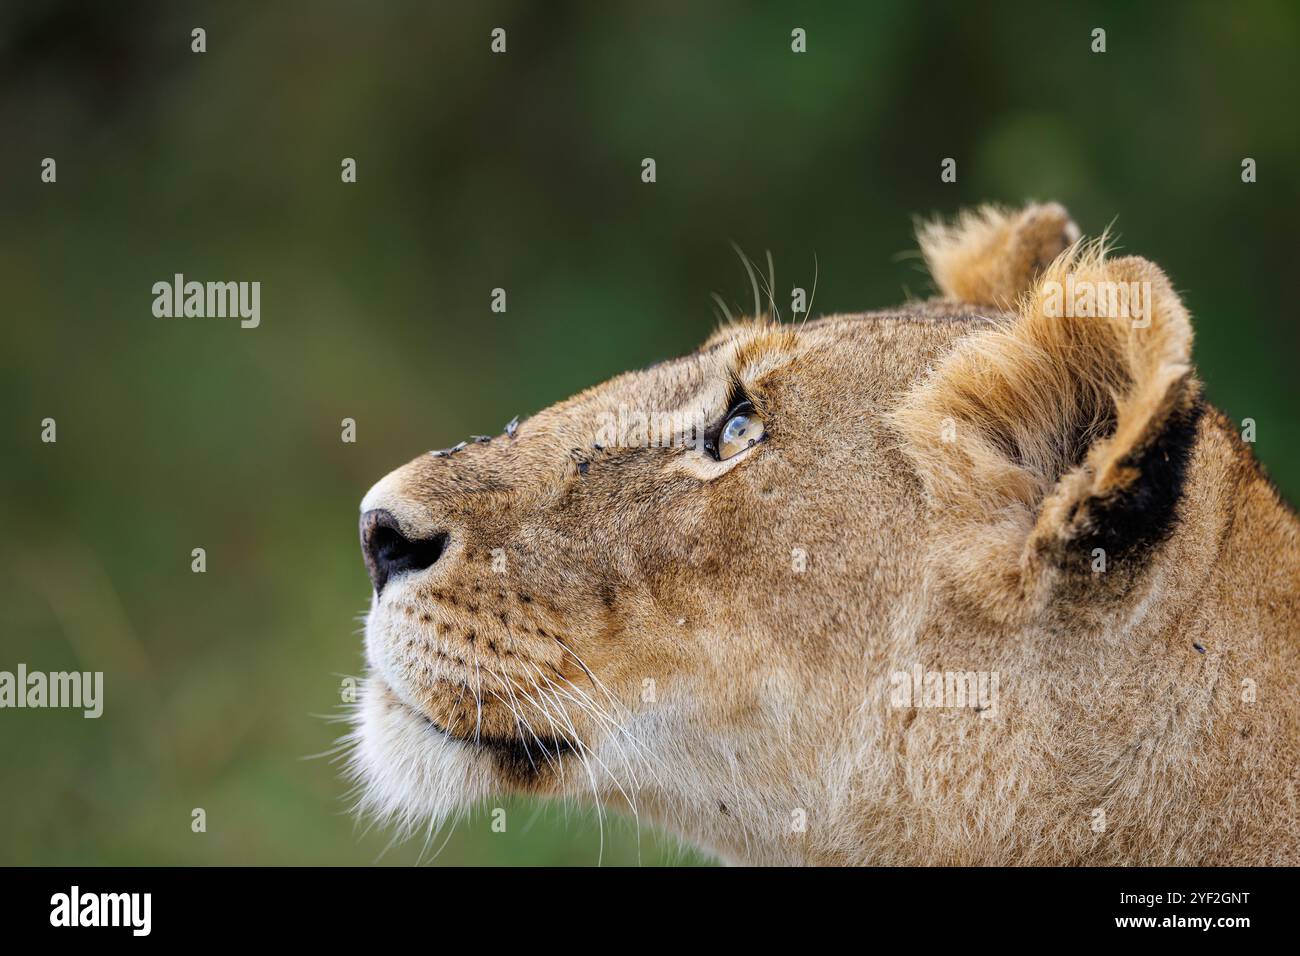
[407,771]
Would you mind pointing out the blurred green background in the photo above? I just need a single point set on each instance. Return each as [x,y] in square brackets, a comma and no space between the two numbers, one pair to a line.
[477,171]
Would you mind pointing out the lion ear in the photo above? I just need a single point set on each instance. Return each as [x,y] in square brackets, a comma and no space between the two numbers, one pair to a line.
[1064,429]
[990,255]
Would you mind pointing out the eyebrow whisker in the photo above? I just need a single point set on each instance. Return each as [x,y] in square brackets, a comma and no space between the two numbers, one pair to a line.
[722,304]
[753,279]
[771,287]
[813,296]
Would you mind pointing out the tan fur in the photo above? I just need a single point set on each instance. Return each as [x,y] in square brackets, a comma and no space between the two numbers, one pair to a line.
[719,642]
[990,255]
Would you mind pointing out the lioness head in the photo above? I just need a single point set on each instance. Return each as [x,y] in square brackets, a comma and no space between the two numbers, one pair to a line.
[717,591]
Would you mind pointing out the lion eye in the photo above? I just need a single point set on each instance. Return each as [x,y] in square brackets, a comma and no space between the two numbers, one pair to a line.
[743,429]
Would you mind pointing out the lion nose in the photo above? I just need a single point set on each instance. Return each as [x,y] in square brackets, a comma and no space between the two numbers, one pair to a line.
[388,552]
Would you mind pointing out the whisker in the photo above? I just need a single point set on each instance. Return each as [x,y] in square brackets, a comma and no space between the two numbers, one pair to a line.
[813,295]
[753,279]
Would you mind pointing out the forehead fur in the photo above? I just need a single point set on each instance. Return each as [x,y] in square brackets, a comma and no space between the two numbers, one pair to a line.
[694,387]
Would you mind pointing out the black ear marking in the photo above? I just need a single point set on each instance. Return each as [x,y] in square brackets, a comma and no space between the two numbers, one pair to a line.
[1142,515]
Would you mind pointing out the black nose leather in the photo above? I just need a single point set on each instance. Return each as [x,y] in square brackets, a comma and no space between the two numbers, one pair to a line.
[388,552]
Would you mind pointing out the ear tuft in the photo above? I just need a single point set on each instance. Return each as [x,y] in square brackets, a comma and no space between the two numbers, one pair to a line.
[1068,426]
[991,256]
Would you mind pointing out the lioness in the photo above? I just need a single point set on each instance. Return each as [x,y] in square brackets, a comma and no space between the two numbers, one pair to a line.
[982,580]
